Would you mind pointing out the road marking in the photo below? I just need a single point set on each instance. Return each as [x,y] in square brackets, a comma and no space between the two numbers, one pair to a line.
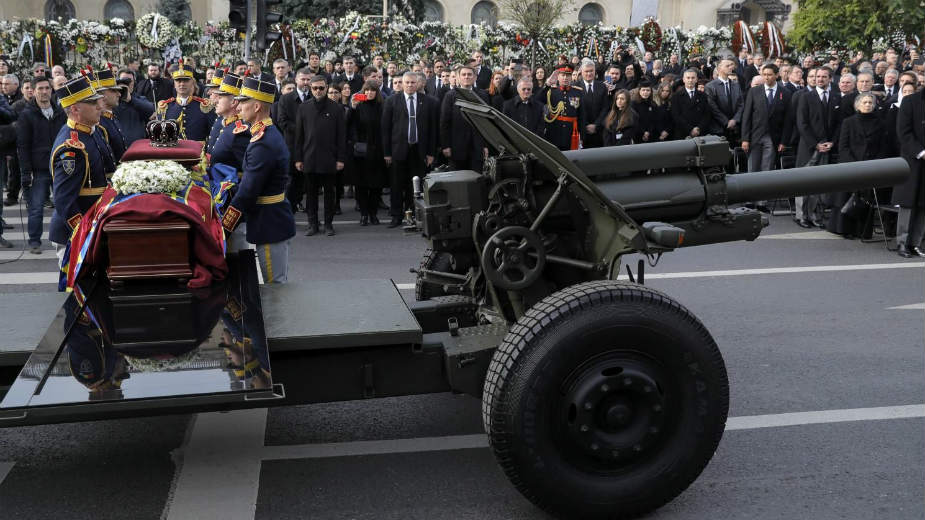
[911,307]
[17,278]
[752,272]
[805,235]
[462,442]
[5,468]
[218,468]
[47,254]
[751,422]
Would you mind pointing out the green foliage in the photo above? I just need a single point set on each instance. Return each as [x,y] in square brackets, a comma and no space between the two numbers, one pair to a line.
[315,9]
[854,24]
[177,11]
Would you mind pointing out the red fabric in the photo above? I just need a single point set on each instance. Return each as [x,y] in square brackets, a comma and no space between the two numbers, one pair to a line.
[185,151]
[207,252]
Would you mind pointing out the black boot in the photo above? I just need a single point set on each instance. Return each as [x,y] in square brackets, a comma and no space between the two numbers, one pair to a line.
[904,252]
[396,221]
[364,220]
[312,229]
[374,220]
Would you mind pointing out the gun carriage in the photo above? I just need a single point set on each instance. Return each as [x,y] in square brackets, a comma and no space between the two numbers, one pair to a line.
[601,397]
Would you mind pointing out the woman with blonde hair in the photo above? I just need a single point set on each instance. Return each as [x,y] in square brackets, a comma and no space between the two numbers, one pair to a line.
[662,100]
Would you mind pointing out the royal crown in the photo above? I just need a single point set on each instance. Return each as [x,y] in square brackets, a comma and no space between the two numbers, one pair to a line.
[163,132]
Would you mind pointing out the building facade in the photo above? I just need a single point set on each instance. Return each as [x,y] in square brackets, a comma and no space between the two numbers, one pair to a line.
[625,13]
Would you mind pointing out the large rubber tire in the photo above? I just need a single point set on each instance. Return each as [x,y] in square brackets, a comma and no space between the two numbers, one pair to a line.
[583,335]
[433,261]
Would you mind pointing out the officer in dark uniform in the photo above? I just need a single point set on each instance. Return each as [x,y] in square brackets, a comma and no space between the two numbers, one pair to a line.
[80,159]
[194,114]
[563,114]
[228,143]
[104,81]
[261,195]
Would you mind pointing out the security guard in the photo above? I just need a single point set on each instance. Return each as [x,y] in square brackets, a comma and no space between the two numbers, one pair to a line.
[563,113]
[227,144]
[104,81]
[80,159]
[194,114]
[261,194]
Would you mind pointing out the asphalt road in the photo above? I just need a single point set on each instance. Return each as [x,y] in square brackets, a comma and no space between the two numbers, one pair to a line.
[804,341]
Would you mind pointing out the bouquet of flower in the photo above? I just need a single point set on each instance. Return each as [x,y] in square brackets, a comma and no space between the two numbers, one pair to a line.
[155,36]
[160,176]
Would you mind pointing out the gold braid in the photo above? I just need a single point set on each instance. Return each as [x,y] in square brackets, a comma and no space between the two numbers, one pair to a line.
[554,113]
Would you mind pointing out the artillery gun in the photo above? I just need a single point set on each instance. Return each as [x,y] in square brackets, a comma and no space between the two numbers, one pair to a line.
[601,398]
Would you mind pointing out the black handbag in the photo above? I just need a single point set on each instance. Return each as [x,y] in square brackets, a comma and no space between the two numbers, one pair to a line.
[359,149]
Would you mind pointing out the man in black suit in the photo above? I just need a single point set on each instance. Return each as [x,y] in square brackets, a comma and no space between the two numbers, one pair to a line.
[280,74]
[482,71]
[321,143]
[459,142]
[763,119]
[726,100]
[754,69]
[409,122]
[286,114]
[794,79]
[817,124]
[350,76]
[435,83]
[674,66]
[741,63]
[596,101]
[156,88]
[254,70]
[690,109]
[910,226]
[525,110]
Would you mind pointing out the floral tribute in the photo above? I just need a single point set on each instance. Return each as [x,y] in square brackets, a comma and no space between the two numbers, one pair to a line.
[159,176]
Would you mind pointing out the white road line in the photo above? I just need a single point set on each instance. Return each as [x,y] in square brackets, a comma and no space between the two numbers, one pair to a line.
[461,442]
[805,235]
[12,254]
[17,278]
[218,473]
[5,468]
[760,271]
[911,307]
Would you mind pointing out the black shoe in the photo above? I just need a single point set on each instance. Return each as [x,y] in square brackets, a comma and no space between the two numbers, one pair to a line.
[329,230]
[5,243]
[818,224]
[49,204]
[356,207]
[364,220]
[763,208]
[9,202]
[803,223]
[35,250]
[395,222]
[312,230]
[904,252]
[7,226]
[374,220]
[918,251]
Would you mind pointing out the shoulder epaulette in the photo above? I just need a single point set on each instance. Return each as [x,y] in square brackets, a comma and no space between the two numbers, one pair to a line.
[74,141]
[257,136]
[204,104]
[239,127]
[577,88]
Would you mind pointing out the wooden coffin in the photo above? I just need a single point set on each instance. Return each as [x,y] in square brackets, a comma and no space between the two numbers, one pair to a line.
[144,250]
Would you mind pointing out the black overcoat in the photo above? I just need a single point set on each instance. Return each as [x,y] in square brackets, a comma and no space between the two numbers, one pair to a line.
[321,136]
[365,126]
[910,130]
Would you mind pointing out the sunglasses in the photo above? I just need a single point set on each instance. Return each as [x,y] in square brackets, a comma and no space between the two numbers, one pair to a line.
[319,88]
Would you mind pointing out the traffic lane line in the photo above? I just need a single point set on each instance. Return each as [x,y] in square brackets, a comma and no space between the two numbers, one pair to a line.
[911,307]
[461,442]
[5,468]
[218,473]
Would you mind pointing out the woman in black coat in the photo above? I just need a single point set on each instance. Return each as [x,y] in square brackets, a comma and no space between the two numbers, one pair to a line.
[664,124]
[620,122]
[861,139]
[647,111]
[369,172]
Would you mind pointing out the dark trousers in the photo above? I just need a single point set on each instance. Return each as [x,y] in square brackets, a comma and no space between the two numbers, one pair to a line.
[368,199]
[10,175]
[314,182]
[295,193]
[401,196]
[35,197]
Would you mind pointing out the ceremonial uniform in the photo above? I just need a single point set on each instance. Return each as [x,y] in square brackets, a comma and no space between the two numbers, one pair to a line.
[261,195]
[79,162]
[109,125]
[564,116]
[194,114]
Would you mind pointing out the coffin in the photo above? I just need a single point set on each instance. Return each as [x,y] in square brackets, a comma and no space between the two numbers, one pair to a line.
[144,250]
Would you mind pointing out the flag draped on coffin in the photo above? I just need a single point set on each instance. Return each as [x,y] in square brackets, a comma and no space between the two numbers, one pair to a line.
[193,204]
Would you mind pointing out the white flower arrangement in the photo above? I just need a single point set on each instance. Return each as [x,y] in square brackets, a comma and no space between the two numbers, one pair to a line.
[165,31]
[160,176]
[163,364]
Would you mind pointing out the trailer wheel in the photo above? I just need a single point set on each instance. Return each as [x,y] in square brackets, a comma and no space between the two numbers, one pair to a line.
[433,261]
[605,400]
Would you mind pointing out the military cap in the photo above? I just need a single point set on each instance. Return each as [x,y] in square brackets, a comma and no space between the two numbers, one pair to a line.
[75,91]
[231,84]
[217,76]
[104,80]
[183,71]
[564,70]
[253,88]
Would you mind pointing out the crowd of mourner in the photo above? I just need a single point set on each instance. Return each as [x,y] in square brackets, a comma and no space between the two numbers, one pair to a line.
[355,131]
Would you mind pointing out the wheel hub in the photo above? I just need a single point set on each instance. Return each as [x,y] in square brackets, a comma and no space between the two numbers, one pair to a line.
[615,410]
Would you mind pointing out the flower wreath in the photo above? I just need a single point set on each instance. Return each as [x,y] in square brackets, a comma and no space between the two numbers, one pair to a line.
[148,37]
[158,176]
[651,36]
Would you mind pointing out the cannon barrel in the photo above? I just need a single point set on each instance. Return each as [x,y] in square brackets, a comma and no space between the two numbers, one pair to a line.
[683,196]
[615,160]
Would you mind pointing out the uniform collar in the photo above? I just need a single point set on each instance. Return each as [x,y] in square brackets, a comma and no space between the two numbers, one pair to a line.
[228,120]
[183,101]
[108,114]
[80,127]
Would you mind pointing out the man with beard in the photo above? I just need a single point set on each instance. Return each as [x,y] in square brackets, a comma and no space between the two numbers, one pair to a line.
[155,88]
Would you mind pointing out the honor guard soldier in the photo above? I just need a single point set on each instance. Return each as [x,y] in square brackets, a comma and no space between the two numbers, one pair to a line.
[80,159]
[261,195]
[563,113]
[216,82]
[104,82]
[194,114]
[227,145]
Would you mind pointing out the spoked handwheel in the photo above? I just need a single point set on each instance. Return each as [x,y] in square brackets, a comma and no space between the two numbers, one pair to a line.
[513,258]
[606,400]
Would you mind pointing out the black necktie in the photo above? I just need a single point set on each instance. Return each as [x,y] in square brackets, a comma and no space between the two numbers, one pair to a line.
[770,96]
[590,88]
[412,120]
[728,97]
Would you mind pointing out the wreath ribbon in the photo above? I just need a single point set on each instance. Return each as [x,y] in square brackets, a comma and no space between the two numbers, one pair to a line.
[154,27]
[26,40]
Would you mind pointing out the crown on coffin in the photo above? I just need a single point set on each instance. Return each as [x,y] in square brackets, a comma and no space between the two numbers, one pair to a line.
[163,132]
